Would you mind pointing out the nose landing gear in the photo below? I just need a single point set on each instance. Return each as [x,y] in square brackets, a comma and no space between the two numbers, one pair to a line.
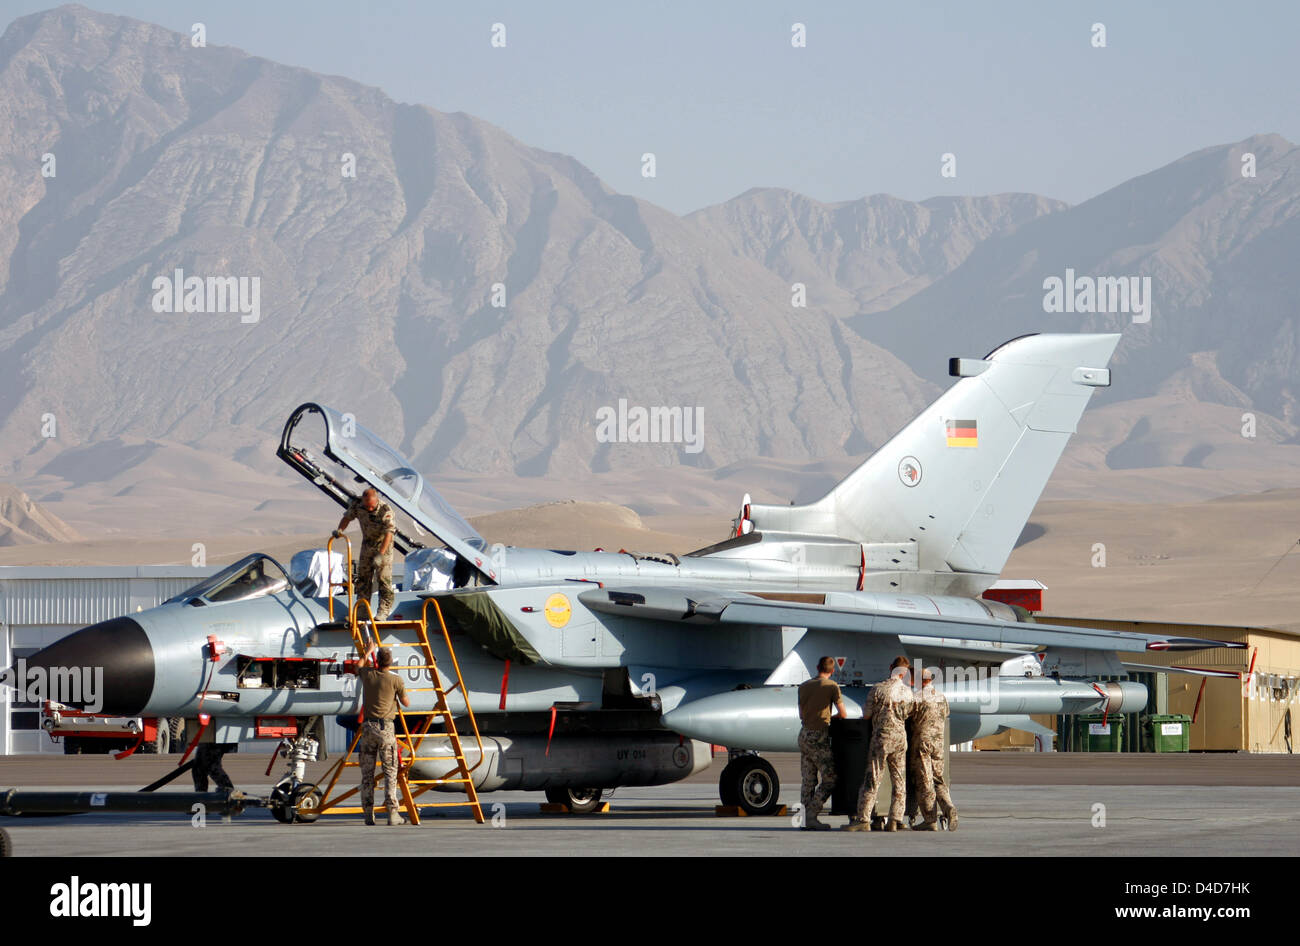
[293,800]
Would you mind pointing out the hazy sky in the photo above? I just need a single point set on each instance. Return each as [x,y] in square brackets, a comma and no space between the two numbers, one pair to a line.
[716,91]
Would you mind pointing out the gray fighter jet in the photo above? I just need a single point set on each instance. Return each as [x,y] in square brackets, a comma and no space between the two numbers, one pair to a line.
[592,670]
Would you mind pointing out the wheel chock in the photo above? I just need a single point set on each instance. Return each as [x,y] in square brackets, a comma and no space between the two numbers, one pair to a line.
[735,811]
[550,808]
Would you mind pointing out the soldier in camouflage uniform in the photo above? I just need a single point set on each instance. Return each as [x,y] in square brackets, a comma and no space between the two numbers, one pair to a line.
[380,692]
[913,806]
[926,757]
[816,764]
[376,562]
[888,708]
[207,764]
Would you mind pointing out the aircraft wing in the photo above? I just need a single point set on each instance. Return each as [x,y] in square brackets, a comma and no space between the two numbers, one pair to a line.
[1174,668]
[722,609]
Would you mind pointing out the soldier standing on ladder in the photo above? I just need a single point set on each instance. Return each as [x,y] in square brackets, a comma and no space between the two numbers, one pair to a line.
[376,565]
[380,692]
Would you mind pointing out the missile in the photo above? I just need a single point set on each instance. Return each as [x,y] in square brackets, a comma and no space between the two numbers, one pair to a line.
[767,718]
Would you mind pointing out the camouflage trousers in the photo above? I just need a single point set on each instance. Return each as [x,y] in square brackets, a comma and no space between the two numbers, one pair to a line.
[378,741]
[926,766]
[368,577]
[817,766]
[207,764]
[891,754]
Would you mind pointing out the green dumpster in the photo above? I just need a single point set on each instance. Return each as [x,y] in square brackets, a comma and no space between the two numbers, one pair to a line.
[1094,735]
[1170,733]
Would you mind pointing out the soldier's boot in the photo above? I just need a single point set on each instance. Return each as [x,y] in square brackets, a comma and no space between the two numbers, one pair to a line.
[952,820]
[370,814]
[856,825]
[927,826]
[892,825]
[811,823]
[395,817]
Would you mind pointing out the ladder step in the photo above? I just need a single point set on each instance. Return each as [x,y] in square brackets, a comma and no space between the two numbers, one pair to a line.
[445,804]
[416,725]
[379,809]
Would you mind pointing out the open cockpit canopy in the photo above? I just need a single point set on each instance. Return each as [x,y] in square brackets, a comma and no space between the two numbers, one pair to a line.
[342,458]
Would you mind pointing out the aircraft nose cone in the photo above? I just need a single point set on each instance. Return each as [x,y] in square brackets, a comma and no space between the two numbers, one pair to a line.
[119,660]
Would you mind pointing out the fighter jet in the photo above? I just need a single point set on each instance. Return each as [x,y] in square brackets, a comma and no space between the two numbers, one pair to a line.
[592,670]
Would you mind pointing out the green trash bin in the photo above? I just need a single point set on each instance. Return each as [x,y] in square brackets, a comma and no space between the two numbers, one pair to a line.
[1171,733]
[1094,735]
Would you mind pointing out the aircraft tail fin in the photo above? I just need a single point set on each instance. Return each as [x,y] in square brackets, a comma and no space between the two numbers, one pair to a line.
[962,478]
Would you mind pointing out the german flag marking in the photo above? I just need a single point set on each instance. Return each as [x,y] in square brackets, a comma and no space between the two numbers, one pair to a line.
[961,433]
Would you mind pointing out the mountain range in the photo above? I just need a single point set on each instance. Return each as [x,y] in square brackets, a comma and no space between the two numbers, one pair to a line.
[477,301]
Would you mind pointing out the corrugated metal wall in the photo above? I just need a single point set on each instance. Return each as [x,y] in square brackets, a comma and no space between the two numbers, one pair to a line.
[82,601]
[78,601]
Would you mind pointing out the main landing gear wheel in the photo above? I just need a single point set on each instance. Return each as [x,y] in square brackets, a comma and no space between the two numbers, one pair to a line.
[580,801]
[750,783]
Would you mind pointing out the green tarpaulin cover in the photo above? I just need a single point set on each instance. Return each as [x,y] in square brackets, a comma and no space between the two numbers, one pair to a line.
[478,616]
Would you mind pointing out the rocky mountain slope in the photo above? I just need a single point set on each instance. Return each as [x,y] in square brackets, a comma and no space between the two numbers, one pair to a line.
[478,302]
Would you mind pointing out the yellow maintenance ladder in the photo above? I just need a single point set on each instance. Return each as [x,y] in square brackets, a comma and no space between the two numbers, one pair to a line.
[367,636]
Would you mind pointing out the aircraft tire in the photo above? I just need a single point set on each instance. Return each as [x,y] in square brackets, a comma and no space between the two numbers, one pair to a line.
[176,729]
[281,809]
[306,803]
[580,801]
[755,785]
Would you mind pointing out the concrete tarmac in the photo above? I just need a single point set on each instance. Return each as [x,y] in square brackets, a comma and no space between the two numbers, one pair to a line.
[1010,804]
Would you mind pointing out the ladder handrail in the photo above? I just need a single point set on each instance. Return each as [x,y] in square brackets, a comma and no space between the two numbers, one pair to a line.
[329,574]
[460,680]
[360,639]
